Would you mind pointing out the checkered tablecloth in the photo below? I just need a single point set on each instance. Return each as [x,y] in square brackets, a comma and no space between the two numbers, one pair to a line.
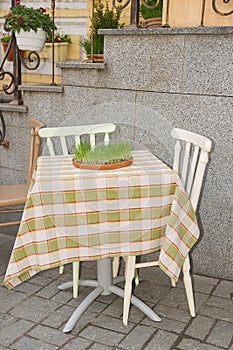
[74,214]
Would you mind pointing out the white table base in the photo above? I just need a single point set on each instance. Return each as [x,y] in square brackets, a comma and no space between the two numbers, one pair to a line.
[105,285]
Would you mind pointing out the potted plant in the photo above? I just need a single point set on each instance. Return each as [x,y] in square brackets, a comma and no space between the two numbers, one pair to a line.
[30,25]
[102,157]
[5,39]
[152,14]
[61,47]
[104,17]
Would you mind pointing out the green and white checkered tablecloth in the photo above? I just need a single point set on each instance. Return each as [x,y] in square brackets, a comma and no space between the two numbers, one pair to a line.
[74,214]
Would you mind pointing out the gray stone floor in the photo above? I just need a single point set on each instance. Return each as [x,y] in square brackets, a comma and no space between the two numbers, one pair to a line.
[33,314]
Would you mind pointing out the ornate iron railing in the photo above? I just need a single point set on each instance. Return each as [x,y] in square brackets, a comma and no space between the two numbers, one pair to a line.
[221,12]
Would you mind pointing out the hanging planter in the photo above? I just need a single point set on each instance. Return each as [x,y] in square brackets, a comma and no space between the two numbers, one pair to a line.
[30,25]
[32,41]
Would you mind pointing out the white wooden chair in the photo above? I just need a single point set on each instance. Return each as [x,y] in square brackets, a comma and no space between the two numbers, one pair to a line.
[191,171]
[13,196]
[62,135]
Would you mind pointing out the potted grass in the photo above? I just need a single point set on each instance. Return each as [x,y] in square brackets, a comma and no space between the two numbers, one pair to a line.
[30,25]
[151,11]
[61,47]
[103,18]
[102,157]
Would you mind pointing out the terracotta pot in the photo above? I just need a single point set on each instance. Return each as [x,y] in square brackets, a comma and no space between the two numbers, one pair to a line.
[60,51]
[102,166]
[31,41]
[10,54]
[152,23]
[98,58]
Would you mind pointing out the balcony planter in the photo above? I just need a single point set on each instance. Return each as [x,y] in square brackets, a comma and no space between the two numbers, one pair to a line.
[32,41]
[10,54]
[60,51]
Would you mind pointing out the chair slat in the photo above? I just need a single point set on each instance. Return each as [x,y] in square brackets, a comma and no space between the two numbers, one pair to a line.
[185,164]
[192,170]
[177,150]
[64,145]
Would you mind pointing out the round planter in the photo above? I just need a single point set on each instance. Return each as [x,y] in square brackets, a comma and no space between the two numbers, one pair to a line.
[10,54]
[103,166]
[31,41]
[60,51]
[152,23]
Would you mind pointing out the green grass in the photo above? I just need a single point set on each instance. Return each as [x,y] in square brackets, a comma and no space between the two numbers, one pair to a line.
[101,154]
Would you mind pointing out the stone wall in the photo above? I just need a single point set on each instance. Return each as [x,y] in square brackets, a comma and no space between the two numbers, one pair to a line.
[151,81]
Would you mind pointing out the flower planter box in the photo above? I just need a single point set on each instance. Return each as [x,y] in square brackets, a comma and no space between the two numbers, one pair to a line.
[60,51]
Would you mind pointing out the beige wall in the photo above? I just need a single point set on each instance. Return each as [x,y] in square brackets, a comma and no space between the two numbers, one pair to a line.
[189,13]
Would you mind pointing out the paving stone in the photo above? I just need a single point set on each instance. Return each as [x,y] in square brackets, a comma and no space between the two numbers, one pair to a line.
[9,298]
[59,317]
[224,289]
[136,339]
[217,313]
[34,309]
[97,346]
[79,344]
[190,344]
[49,291]
[115,309]
[172,313]
[204,284]
[50,335]
[167,324]
[200,327]
[152,294]
[28,288]
[103,336]
[14,331]
[6,320]
[222,334]
[27,343]
[161,341]
[220,302]
[112,324]
[86,319]
[62,297]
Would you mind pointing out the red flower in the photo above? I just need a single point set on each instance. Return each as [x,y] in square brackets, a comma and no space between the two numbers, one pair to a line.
[42,10]
[20,19]
[17,2]
[9,14]
[58,40]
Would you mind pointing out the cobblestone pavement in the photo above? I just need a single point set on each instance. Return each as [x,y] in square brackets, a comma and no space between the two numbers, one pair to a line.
[33,314]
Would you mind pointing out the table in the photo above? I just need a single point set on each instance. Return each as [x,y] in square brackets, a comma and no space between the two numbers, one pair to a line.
[72,214]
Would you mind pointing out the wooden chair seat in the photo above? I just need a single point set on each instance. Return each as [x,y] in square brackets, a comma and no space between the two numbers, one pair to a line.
[13,194]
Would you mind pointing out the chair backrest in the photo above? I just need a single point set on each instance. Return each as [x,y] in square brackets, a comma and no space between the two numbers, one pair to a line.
[35,143]
[62,133]
[190,161]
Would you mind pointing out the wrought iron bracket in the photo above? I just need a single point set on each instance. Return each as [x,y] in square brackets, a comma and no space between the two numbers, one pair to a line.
[221,13]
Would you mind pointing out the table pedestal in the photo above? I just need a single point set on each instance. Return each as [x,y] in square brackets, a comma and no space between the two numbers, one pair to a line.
[105,285]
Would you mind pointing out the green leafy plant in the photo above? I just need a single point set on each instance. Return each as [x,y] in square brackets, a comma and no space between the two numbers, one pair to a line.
[104,18]
[147,13]
[59,38]
[102,154]
[5,38]
[28,18]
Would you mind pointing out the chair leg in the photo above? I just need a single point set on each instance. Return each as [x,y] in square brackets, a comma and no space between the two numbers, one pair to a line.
[115,266]
[188,287]
[173,283]
[75,278]
[129,275]
[61,269]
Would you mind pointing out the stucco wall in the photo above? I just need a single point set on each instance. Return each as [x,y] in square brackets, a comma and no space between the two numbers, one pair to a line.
[151,82]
